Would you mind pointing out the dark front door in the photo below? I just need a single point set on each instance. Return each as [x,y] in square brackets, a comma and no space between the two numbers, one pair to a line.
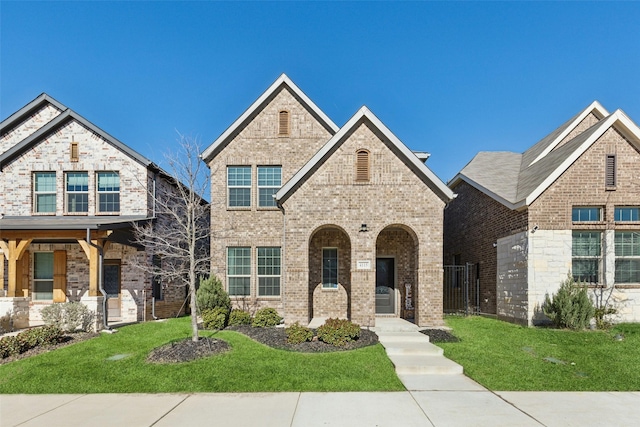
[385,286]
[111,283]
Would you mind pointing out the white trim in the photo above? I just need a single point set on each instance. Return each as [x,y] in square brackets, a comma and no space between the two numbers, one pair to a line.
[207,154]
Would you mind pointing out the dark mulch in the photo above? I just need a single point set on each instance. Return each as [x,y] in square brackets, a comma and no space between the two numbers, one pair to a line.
[67,339]
[276,338]
[187,350]
[440,335]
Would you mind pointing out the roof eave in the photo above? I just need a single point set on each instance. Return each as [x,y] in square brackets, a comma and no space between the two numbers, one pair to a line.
[19,116]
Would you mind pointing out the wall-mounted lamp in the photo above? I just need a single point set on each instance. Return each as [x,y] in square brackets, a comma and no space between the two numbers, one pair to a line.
[534,229]
[363,228]
[495,245]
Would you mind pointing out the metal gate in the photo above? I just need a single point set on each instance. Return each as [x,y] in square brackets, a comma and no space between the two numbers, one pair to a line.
[461,289]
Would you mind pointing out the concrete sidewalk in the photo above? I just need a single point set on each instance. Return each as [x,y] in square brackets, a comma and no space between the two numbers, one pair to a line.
[417,408]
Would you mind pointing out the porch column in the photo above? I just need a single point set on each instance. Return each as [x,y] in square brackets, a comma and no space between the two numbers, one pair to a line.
[93,255]
[13,251]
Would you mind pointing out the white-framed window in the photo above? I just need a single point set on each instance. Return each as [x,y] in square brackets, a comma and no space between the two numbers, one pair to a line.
[626,213]
[108,189]
[239,270]
[330,268]
[44,192]
[77,192]
[239,186]
[269,182]
[586,214]
[586,252]
[627,244]
[269,271]
[43,276]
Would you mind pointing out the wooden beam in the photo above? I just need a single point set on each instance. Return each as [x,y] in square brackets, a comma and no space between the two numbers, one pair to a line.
[13,251]
[54,234]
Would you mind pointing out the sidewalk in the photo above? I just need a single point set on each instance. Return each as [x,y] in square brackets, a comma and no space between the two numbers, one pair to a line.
[417,408]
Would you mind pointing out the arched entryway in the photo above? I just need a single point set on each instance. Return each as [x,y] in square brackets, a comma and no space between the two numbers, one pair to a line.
[329,273]
[396,272]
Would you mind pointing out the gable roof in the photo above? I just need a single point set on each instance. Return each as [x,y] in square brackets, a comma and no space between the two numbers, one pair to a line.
[282,82]
[60,120]
[401,150]
[516,184]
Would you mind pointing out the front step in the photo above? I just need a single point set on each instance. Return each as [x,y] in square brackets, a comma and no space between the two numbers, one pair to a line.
[413,349]
[401,337]
[425,365]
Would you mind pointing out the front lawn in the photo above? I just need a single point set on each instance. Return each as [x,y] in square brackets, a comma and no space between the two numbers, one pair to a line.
[249,367]
[503,356]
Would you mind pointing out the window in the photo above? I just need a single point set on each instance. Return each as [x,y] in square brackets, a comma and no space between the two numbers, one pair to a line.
[610,174]
[77,191]
[75,154]
[623,214]
[269,182]
[239,183]
[330,268]
[362,166]
[269,271]
[627,245]
[586,254]
[239,271]
[156,283]
[283,123]
[108,192]
[43,276]
[44,192]
[584,214]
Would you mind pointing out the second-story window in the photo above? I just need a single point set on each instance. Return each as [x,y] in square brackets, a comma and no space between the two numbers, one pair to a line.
[108,185]
[77,192]
[239,186]
[269,182]
[44,192]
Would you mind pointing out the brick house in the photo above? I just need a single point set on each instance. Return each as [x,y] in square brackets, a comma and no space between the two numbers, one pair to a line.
[69,194]
[319,221]
[568,205]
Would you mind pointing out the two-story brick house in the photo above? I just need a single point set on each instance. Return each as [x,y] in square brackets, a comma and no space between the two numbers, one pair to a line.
[319,221]
[568,205]
[69,194]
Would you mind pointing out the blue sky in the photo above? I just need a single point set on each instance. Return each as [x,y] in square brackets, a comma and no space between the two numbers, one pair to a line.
[450,78]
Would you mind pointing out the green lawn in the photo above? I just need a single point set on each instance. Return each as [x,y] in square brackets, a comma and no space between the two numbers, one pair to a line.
[503,356]
[248,367]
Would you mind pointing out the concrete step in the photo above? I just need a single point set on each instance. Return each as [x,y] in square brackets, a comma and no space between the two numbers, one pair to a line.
[413,349]
[393,324]
[401,337]
[426,365]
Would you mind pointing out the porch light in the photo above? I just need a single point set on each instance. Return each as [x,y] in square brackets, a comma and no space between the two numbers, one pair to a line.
[363,228]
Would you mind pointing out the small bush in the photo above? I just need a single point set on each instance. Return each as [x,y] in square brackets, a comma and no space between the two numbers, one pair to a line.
[297,334]
[266,317]
[211,295]
[68,316]
[338,332]
[26,340]
[239,317]
[570,307]
[215,318]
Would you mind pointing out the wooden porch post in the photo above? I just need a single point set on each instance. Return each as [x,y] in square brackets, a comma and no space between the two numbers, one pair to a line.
[13,250]
[93,255]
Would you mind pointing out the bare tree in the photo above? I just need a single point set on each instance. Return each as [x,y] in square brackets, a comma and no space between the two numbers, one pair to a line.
[179,234]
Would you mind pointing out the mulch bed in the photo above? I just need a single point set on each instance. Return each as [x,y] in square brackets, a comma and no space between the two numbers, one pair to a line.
[67,339]
[187,350]
[440,335]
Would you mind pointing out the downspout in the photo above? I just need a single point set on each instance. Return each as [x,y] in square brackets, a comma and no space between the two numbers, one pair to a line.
[153,307]
[153,298]
[100,284]
[282,259]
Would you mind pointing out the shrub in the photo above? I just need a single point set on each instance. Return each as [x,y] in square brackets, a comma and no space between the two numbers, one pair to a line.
[297,334]
[239,317]
[266,317]
[210,295]
[338,332]
[570,307]
[68,316]
[215,318]
[26,340]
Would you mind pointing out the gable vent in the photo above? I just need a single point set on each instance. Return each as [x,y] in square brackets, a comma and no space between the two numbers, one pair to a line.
[75,154]
[283,123]
[362,166]
[610,174]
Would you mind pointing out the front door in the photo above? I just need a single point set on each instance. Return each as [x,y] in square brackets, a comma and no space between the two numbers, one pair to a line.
[111,283]
[385,286]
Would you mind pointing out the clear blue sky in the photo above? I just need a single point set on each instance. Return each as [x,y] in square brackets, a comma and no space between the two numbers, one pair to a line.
[448,78]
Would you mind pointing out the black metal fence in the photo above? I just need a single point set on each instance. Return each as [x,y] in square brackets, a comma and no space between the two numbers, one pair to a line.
[461,289]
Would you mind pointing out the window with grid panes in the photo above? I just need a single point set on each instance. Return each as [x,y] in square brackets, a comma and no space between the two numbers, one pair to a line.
[586,252]
[239,270]
[239,186]
[627,244]
[269,182]
[626,213]
[44,192]
[108,186]
[77,192]
[269,271]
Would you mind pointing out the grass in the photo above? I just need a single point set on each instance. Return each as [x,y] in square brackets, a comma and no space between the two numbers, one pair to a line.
[248,367]
[503,356]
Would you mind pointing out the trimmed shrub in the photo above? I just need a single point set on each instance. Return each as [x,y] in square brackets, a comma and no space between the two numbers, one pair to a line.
[215,318]
[211,295]
[338,332]
[266,317]
[68,316]
[570,307]
[297,334]
[29,339]
[239,317]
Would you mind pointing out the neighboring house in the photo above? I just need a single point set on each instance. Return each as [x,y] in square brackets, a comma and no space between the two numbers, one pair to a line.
[319,221]
[570,204]
[69,194]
